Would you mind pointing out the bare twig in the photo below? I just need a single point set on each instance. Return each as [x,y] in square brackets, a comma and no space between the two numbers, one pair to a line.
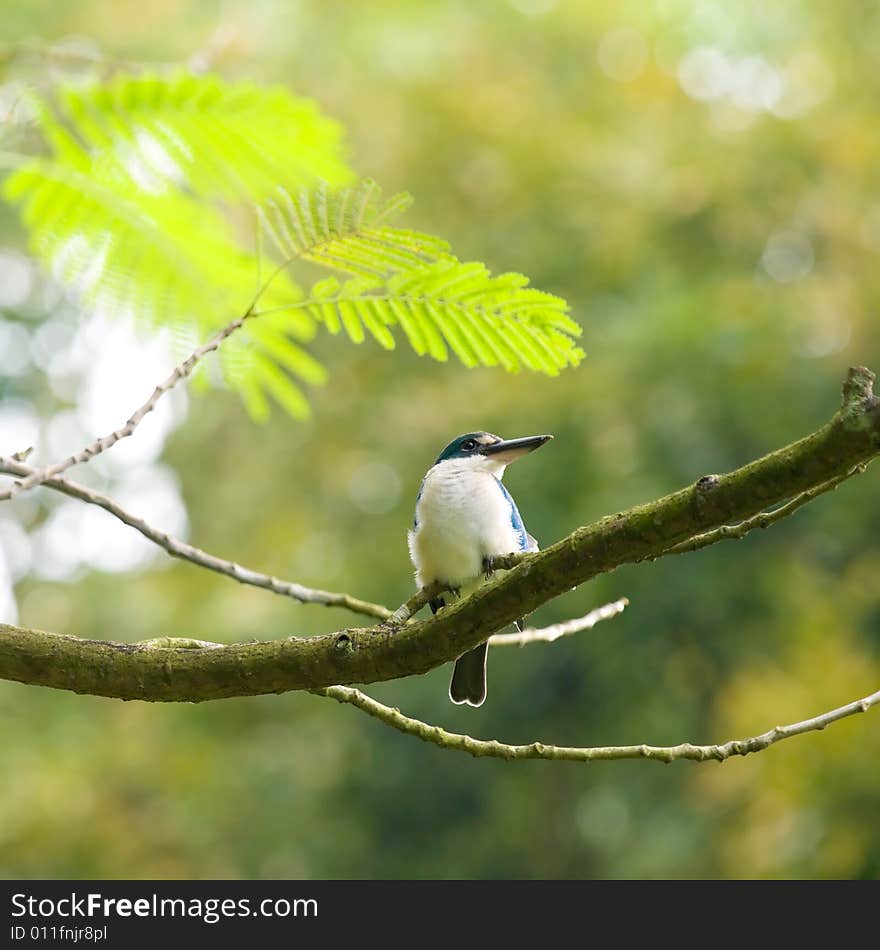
[539,750]
[38,476]
[180,549]
[180,372]
[764,520]
[418,600]
[557,630]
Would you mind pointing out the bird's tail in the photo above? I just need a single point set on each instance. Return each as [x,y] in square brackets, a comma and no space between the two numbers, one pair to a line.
[469,677]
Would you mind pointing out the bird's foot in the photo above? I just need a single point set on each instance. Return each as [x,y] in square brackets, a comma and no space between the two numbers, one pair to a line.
[488,566]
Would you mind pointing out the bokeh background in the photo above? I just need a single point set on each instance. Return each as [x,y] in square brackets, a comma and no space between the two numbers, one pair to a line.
[700,179]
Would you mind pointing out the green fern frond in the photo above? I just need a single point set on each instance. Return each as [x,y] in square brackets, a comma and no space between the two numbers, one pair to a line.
[264,359]
[168,260]
[119,212]
[165,258]
[124,212]
[346,231]
[456,306]
[217,139]
[409,279]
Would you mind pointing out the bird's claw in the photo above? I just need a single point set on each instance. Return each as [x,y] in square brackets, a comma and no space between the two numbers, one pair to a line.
[488,566]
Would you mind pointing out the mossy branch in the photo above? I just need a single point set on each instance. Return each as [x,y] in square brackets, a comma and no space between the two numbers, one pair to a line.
[391,650]
[492,748]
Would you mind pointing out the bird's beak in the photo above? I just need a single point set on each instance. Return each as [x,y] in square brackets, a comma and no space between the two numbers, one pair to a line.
[512,449]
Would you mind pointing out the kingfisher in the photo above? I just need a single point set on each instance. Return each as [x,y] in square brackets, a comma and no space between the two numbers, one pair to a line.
[466,519]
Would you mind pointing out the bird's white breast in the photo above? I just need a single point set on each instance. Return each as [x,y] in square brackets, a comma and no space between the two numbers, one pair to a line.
[462,516]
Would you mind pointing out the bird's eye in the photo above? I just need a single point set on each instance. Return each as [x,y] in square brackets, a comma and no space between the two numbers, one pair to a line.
[469,445]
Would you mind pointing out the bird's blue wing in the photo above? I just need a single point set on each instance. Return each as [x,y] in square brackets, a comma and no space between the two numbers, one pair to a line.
[526,541]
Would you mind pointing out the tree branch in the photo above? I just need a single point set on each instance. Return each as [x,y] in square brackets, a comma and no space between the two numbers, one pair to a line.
[529,635]
[180,549]
[389,651]
[538,750]
[764,520]
[555,631]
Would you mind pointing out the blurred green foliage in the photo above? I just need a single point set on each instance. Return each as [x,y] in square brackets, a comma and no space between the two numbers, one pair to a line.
[123,212]
[700,181]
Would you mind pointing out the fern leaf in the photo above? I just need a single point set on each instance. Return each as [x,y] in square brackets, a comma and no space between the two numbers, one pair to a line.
[274,342]
[375,316]
[414,331]
[344,231]
[254,397]
[120,214]
[282,387]
[482,319]
[218,139]
[166,258]
[124,212]
[246,356]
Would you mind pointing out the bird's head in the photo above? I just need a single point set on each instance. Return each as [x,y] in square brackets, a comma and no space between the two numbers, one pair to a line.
[482,450]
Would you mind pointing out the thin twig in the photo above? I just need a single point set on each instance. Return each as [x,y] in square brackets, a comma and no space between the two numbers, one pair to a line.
[538,750]
[180,549]
[557,630]
[762,520]
[180,372]
[418,600]
[106,441]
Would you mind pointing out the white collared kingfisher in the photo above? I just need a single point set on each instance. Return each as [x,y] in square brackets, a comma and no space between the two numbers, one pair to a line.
[465,519]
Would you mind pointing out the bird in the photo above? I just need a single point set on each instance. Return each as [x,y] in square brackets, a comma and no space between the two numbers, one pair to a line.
[465,519]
